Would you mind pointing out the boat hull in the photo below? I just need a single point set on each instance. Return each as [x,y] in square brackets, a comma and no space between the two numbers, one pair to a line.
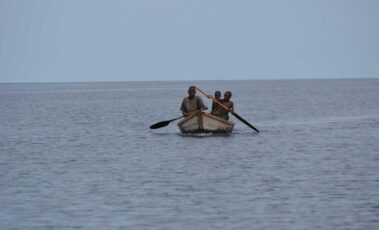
[205,123]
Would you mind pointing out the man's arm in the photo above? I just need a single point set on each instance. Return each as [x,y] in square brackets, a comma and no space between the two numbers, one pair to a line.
[201,104]
[231,106]
[183,108]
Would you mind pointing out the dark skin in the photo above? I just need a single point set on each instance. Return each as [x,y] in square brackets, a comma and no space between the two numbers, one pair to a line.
[227,102]
[215,106]
[191,93]
[218,96]
[191,96]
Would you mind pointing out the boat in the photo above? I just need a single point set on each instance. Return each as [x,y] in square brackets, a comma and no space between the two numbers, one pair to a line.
[202,122]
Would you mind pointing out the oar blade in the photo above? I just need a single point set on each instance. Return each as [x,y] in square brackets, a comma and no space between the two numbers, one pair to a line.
[160,124]
[163,123]
[244,121]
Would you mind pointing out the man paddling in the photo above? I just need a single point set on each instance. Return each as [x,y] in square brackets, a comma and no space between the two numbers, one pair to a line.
[192,102]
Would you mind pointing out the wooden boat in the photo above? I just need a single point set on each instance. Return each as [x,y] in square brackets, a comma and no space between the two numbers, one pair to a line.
[202,122]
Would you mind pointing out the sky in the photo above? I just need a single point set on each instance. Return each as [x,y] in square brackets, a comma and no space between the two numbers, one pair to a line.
[162,40]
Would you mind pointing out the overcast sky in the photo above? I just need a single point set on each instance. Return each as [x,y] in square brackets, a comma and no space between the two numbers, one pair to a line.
[132,40]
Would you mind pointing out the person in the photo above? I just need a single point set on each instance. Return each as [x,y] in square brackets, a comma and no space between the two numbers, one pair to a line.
[192,102]
[227,103]
[215,106]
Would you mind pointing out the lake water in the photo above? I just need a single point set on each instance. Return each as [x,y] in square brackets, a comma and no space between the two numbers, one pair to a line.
[81,155]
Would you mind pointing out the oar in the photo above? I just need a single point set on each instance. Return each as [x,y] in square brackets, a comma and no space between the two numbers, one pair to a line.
[226,108]
[165,123]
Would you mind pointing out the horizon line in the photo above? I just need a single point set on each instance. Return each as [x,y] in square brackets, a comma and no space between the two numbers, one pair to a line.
[256,79]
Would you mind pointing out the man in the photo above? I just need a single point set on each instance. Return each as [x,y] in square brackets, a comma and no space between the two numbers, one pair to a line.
[227,103]
[192,102]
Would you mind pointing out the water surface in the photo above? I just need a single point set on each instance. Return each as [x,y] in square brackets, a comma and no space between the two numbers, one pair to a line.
[80,155]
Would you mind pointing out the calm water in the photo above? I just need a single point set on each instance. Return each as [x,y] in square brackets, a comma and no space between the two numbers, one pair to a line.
[81,155]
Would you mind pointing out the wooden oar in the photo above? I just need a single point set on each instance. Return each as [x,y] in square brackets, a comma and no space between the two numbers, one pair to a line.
[226,108]
[165,123]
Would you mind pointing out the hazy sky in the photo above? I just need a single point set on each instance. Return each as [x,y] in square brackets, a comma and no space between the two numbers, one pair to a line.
[128,40]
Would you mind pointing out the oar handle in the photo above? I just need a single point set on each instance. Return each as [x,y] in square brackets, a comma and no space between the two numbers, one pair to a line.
[226,108]
[213,99]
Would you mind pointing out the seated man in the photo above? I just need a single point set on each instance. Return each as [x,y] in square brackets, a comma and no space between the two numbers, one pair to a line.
[192,102]
[216,106]
[228,103]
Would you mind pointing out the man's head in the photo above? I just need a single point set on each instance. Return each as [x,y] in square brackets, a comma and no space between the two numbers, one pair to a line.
[218,95]
[227,95]
[191,91]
